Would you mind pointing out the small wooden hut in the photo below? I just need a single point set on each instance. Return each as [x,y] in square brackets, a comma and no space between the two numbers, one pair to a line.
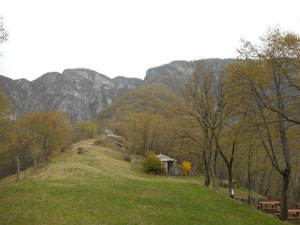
[169,163]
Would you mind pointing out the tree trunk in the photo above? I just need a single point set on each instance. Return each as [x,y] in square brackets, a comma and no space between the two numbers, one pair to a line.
[207,177]
[249,176]
[34,164]
[201,168]
[47,157]
[213,175]
[298,194]
[250,194]
[284,203]
[230,182]
[18,168]
[215,160]
[269,183]
[249,187]
[207,180]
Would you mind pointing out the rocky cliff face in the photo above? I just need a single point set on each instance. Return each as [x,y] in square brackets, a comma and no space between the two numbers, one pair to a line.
[82,93]
[173,74]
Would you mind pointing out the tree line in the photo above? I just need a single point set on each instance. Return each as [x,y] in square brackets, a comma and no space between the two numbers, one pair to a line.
[240,122]
[35,137]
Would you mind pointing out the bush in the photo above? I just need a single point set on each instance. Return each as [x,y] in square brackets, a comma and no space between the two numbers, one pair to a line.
[186,167]
[153,164]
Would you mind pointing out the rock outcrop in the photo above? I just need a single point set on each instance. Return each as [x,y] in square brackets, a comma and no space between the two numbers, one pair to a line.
[82,93]
[173,74]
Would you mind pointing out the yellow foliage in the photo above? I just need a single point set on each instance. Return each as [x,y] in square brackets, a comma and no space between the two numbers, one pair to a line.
[185,167]
[146,132]
[48,130]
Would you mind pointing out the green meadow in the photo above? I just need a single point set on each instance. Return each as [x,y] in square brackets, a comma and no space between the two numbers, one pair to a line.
[99,187]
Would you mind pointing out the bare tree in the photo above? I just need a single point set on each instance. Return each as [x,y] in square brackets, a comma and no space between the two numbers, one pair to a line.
[204,106]
[3,31]
[266,76]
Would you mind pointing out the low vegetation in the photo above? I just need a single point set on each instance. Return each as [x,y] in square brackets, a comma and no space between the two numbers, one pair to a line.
[186,167]
[152,164]
[84,130]
[239,123]
[99,187]
[35,137]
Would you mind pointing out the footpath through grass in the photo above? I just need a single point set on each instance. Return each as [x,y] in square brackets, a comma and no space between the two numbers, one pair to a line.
[100,188]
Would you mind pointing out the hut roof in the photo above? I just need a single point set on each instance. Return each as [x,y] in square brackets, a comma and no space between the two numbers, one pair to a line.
[165,158]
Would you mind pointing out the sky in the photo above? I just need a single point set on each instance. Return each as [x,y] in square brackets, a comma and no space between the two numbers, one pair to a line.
[125,38]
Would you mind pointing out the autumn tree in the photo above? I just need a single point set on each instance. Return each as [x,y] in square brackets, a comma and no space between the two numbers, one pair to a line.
[251,162]
[146,132]
[6,127]
[24,148]
[205,108]
[139,132]
[83,130]
[49,131]
[5,110]
[227,142]
[3,31]
[267,77]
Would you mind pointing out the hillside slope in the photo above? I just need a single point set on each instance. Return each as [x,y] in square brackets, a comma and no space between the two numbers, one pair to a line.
[151,97]
[100,188]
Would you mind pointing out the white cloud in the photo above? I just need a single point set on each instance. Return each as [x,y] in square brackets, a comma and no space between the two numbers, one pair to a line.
[127,37]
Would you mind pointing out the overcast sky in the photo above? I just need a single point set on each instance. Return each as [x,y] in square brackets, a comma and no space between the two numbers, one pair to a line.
[125,38]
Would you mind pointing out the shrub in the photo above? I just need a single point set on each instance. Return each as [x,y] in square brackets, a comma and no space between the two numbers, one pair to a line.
[153,164]
[185,167]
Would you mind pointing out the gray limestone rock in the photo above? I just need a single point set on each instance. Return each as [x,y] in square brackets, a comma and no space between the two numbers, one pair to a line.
[82,93]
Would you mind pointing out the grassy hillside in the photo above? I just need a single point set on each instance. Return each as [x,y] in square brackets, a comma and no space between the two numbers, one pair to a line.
[100,188]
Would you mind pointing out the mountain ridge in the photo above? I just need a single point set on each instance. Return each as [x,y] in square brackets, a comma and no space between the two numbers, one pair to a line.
[83,93]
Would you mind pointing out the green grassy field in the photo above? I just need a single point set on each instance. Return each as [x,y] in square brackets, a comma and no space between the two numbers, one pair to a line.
[100,188]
